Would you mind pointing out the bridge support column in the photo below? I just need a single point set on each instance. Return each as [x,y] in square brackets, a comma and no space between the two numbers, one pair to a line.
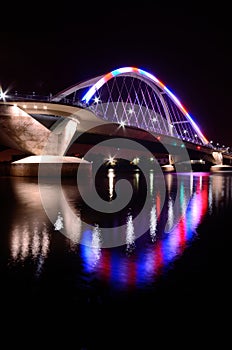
[169,167]
[217,156]
[61,137]
[52,161]
[219,166]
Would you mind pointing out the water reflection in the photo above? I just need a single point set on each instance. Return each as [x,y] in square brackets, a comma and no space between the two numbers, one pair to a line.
[30,242]
[91,248]
[150,255]
[111,176]
[96,242]
[153,223]
[220,192]
[58,225]
[130,234]
[150,260]
[29,231]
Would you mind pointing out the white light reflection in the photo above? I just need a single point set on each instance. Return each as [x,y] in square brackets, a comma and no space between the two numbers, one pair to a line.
[25,242]
[58,225]
[91,248]
[136,181]
[74,235]
[191,185]
[182,199]
[35,246]
[45,242]
[169,179]
[170,220]
[111,176]
[29,241]
[130,235]
[153,223]
[228,189]
[210,197]
[44,249]
[96,243]
[218,184]
[200,185]
[15,243]
[65,220]
[151,182]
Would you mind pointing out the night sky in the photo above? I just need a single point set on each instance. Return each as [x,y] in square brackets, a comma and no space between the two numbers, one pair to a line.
[187,48]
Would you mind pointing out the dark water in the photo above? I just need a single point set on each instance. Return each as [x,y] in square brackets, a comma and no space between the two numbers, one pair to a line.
[171,274]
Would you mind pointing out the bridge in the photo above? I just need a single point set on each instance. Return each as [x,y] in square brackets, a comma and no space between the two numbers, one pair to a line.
[127,102]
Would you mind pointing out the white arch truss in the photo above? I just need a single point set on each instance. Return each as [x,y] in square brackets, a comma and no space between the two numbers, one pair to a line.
[131,96]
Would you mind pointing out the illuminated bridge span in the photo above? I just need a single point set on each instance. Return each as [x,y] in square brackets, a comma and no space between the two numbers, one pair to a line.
[126,99]
[133,97]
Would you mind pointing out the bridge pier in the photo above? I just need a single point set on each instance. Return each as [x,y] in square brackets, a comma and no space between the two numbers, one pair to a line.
[45,148]
[168,168]
[219,167]
[50,166]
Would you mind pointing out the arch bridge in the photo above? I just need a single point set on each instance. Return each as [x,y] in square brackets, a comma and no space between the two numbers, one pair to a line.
[127,97]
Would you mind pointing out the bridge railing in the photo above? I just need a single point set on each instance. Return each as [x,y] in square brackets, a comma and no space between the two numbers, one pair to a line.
[26,97]
[40,98]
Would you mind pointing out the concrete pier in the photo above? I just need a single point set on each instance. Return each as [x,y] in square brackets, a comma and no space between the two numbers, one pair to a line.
[221,168]
[50,166]
[168,168]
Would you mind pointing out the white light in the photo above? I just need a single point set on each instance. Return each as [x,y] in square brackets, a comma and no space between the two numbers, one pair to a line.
[35,107]
[2,95]
[96,99]
[154,119]
[111,160]
[185,131]
[15,104]
[59,222]
[24,106]
[136,160]
[153,222]
[195,135]
[45,107]
[130,235]
[130,111]
[111,176]
[122,123]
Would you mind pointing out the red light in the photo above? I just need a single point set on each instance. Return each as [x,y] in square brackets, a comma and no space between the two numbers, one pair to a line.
[198,147]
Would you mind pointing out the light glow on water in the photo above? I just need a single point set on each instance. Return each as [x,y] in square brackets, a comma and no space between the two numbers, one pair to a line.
[111,176]
[146,266]
[58,225]
[153,223]
[139,262]
[30,242]
[130,234]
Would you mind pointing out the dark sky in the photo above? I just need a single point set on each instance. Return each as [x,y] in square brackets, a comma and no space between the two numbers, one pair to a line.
[187,48]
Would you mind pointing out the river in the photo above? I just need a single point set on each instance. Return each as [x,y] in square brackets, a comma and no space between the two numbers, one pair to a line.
[168,248]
